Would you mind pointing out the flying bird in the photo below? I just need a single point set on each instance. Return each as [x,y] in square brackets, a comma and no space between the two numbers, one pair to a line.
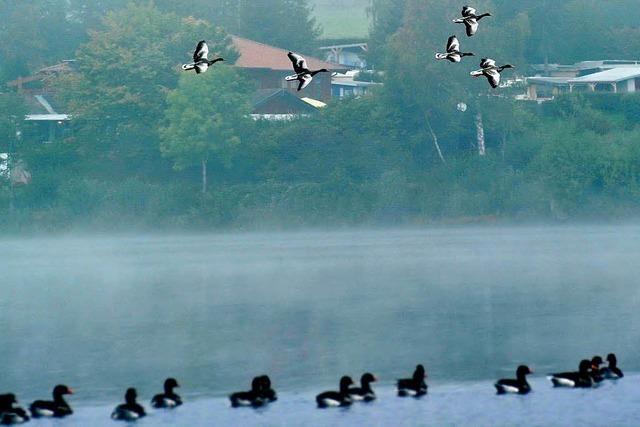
[491,71]
[201,62]
[302,72]
[470,20]
[453,51]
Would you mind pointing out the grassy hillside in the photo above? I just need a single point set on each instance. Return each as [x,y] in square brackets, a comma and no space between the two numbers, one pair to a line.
[342,18]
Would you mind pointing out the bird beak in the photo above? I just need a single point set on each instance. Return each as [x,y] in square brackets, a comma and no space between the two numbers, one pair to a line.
[70,390]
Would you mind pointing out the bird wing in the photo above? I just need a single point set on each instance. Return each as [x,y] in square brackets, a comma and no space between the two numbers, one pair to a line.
[201,52]
[468,11]
[454,57]
[453,45]
[299,63]
[201,67]
[494,77]
[471,24]
[304,81]
[487,63]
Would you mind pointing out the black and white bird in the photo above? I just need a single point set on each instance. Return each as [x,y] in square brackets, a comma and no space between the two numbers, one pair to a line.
[612,372]
[267,393]
[364,392]
[580,379]
[595,372]
[10,412]
[491,71]
[253,397]
[519,385]
[336,398]
[57,407]
[168,399]
[302,72]
[453,51]
[470,19]
[414,386]
[201,62]
[130,410]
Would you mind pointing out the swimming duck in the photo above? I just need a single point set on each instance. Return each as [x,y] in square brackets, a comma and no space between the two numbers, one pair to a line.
[580,379]
[266,391]
[470,20]
[414,386]
[612,372]
[201,62]
[168,399]
[58,407]
[364,392]
[302,72]
[491,71]
[336,398]
[595,372]
[130,410]
[10,413]
[519,385]
[453,51]
[252,397]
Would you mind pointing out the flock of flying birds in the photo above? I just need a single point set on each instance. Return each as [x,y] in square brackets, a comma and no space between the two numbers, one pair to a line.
[488,67]
[304,75]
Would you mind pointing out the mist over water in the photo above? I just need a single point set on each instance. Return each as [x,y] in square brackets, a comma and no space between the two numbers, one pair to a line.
[104,313]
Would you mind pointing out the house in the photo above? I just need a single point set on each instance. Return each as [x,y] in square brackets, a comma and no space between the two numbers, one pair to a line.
[347,84]
[47,123]
[282,104]
[350,55]
[269,65]
[589,76]
[37,83]
[616,80]
[580,68]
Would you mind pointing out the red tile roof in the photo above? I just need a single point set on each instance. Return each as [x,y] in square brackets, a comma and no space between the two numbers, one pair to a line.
[258,55]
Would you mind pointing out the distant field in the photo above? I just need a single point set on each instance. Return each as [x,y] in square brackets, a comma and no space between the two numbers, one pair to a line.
[342,18]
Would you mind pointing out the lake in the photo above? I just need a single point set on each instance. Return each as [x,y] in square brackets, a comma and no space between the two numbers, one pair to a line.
[102,313]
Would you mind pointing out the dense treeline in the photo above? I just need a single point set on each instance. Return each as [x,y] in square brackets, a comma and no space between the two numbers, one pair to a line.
[140,153]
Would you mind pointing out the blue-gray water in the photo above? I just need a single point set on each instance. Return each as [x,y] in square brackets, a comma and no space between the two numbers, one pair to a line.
[103,313]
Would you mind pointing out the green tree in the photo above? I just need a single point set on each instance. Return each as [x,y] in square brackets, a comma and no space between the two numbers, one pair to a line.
[203,119]
[12,111]
[284,23]
[386,19]
[125,72]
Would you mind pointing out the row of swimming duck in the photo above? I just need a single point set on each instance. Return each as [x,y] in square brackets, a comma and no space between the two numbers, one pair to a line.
[488,68]
[11,413]
[590,373]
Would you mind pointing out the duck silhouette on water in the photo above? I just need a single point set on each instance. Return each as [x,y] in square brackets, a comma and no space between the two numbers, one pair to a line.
[131,410]
[57,407]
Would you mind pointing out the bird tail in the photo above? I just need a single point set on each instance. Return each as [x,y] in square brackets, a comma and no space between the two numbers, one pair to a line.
[458,21]
[477,73]
[440,56]
[291,77]
[187,67]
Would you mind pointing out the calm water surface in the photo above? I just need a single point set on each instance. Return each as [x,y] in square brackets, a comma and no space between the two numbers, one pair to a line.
[103,313]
